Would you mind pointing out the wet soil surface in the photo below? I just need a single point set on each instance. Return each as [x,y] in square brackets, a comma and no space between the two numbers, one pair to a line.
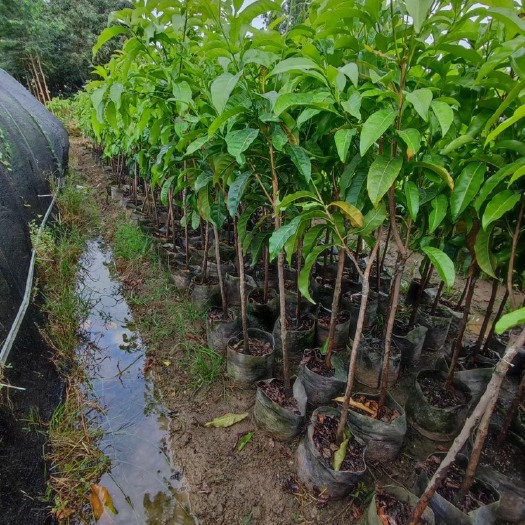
[439,396]
[505,457]
[256,347]
[325,317]
[392,511]
[316,362]
[276,392]
[476,497]
[324,437]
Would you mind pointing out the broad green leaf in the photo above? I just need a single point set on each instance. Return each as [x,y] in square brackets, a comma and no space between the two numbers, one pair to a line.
[236,191]
[312,236]
[221,89]
[110,113]
[438,213]
[412,138]
[353,105]
[245,440]
[304,275]
[351,212]
[412,197]
[168,183]
[444,113]
[227,420]
[294,64]
[97,97]
[482,250]
[343,139]
[256,9]
[513,94]
[467,186]
[196,145]
[517,175]
[421,100]
[518,115]
[442,263]
[239,141]
[340,454]
[462,140]
[511,320]
[351,71]
[224,117]
[372,220]
[115,93]
[301,160]
[382,174]
[498,206]
[182,92]
[287,100]
[375,125]
[418,10]
[108,34]
[289,199]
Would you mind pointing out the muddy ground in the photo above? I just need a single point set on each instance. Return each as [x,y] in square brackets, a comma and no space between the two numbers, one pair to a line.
[226,486]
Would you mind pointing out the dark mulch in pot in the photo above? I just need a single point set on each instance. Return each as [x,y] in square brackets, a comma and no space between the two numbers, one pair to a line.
[256,347]
[391,511]
[384,414]
[324,437]
[217,314]
[276,392]
[451,305]
[209,281]
[316,362]
[299,325]
[439,396]
[257,297]
[506,457]
[476,497]
[325,316]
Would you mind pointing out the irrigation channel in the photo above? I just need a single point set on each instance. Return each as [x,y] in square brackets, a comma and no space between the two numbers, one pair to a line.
[145,485]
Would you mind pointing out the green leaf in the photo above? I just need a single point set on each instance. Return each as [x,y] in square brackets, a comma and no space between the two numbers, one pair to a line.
[444,113]
[509,321]
[498,206]
[439,210]
[312,236]
[372,220]
[287,100]
[224,117]
[517,175]
[165,189]
[382,174]
[418,10]
[412,197]
[245,440]
[421,100]
[256,9]
[294,64]
[482,250]
[108,34]
[374,127]
[353,105]
[182,92]
[301,160]
[412,138]
[239,141]
[340,454]
[97,97]
[115,93]
[196,145]
[467,186]
[227,420]
[518,115]
[236,191]
[343,139]
[442,263]
[296,196]
[351,212]
[303,281]
[351,71]
[462,140]
[221,89]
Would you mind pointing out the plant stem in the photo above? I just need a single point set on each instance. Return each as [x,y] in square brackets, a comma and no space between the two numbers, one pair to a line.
[219,272]
[205,257]
[299,263]
[486,319]
[186,232]
[266,273]
[421,289]
[459,340]
[463,293]
[385,249]
[510,273]
[437,298]
[242,284]
[512,411]
[335,307]
[499,313]
[485,404]
[357,339]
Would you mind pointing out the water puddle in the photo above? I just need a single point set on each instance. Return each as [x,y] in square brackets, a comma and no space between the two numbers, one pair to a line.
[145,486]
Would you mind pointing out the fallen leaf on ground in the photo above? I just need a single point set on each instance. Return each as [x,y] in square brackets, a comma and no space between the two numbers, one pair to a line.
[244,440]
[100,501]
[227,420]
[340,454]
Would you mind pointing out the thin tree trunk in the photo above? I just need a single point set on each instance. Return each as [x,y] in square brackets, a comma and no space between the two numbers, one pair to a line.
[463,293]
[186,233]
[421,289]
[486,319]
[242,284]
[266,273]
[513,410]
[335,307]
[385,249]
[219,272]
[437,298]
[510,274]
[499,313]
[485,404]
[44,81]
[205,257]
[459,340]
[358,247]
[325,256]
[299,265]
[357,338]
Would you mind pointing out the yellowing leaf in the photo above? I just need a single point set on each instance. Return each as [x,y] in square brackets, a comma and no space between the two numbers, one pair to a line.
[100,501]
[340,454]
[227,420]
[167,363]
[351,212]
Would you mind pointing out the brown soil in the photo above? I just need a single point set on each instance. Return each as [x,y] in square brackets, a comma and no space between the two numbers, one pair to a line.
[477,496]
[256,347]
[275,391]
[325,317]
[438,396]
[299,325]
[324,437]
[217,314]
[257,297]
[506,458]
[316,362]
[391,511]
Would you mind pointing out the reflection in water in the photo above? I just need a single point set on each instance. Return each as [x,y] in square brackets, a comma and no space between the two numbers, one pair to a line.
[146,488]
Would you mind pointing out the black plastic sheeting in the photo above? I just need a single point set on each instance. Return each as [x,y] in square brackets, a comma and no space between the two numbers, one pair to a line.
[33,146]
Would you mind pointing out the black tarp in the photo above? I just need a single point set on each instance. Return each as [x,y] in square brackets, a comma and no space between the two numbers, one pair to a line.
[33,147]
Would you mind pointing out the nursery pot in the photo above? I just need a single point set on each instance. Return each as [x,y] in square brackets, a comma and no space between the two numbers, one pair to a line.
[315,471]
[446,513]
[280,422]
[260,313]
[383,440]
[181,278]
[439,424]
[341,334]
[298,340]
[204,294]
[371,514]
[220,331]
[321,389]
[352,303]
[226,267]
[246,368]
[437,328]
[370,363]
[410,344]
[232,284]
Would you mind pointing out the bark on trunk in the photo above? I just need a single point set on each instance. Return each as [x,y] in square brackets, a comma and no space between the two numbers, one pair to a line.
[242,284]
[335,307]
[486,319]
[219,272]
[499,313]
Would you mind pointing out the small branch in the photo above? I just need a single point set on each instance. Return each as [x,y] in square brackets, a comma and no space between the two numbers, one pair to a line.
[510,273]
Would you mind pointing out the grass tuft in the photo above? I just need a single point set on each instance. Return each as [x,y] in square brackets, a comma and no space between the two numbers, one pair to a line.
[131,243]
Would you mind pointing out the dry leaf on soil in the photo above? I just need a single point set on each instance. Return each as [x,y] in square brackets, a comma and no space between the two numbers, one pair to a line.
[227,420]
[100,501]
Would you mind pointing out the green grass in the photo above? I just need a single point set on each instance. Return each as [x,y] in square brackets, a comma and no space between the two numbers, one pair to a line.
[131,243]
[205,366]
